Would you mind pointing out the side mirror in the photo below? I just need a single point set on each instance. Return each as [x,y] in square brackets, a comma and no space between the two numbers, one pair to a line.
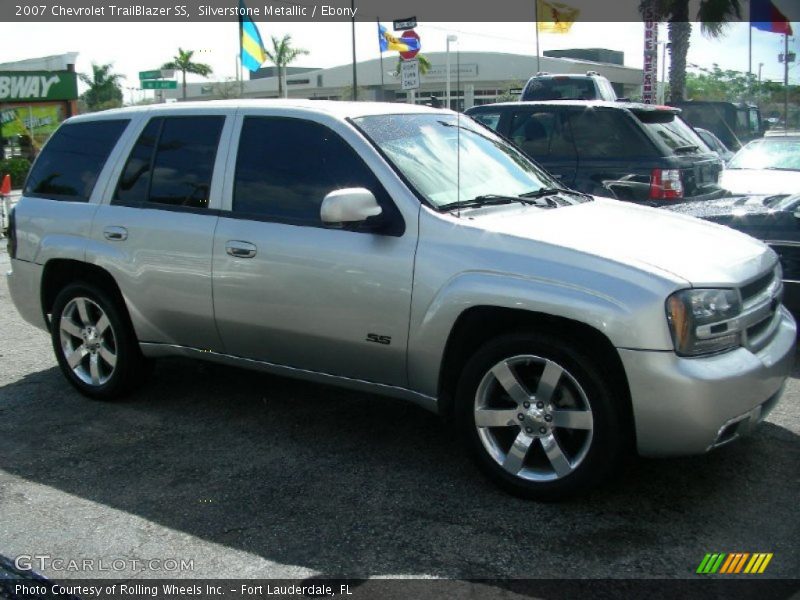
[350,205]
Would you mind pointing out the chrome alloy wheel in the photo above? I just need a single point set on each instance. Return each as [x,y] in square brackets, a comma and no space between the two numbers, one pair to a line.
[88,341]
[533,418]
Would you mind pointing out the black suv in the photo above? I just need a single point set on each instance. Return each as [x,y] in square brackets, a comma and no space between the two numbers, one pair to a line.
[624,150]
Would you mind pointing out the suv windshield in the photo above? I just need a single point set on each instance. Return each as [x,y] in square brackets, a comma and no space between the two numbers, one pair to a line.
[768,154]
[450,158]
[672,131]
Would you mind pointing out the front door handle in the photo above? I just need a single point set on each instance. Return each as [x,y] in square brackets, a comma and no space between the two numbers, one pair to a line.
[115,234]
[239,249]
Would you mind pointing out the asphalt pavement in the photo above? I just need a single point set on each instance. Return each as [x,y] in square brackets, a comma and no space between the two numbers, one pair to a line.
[230,473]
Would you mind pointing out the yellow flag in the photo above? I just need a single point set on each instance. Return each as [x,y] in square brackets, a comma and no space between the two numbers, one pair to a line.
[555,17]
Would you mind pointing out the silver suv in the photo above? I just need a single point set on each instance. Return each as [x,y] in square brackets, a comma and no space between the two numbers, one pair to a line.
[404,251]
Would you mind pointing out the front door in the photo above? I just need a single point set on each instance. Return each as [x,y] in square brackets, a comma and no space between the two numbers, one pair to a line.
[292,291]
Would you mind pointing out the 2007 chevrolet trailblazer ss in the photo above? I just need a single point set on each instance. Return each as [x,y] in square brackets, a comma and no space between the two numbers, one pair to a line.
[404,251]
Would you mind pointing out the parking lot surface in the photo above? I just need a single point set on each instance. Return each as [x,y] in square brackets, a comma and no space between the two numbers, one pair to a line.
[240,474]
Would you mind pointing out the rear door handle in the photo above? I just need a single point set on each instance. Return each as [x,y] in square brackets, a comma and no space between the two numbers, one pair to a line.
[239,249]
[115,234]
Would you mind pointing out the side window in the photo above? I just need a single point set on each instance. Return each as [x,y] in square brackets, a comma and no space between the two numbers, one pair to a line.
[72,160]
[172,162]
[542,135]
[606,134]
[134,183]
[490,119]
[285,167]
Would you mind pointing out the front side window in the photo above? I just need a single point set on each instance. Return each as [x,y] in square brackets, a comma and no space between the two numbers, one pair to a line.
[70,163]
[172,162]
[448,158]
[285,167]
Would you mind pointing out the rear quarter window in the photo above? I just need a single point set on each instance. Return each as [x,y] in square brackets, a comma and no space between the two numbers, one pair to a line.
[71,161]
[672,131]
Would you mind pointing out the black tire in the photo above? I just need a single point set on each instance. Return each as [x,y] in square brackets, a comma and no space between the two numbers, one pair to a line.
[103,381]
[594,451]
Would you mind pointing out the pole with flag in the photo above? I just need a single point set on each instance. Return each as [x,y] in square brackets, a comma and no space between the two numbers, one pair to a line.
[766,16]
[381,42]
[553,17]
[251,48]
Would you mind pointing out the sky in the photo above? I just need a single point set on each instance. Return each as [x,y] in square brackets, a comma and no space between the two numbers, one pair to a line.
[134,47]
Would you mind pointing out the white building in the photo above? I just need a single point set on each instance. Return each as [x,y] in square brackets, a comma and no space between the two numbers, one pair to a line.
[475,78]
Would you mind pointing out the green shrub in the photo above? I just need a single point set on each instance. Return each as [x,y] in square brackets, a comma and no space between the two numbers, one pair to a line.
[16,167]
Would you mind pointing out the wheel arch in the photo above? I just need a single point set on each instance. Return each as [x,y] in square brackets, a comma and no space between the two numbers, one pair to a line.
[58,273]
[477,324]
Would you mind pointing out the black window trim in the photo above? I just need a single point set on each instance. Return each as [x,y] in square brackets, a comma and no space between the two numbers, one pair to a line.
[64,197]
[147,204]
[394,224]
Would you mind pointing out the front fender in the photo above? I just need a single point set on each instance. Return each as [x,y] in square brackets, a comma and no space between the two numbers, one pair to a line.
[620,321]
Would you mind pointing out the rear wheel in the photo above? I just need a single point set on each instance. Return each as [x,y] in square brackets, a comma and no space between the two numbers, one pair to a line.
[538,417]
[94,343]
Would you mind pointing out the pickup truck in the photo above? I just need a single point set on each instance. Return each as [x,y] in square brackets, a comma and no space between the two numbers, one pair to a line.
[405,251]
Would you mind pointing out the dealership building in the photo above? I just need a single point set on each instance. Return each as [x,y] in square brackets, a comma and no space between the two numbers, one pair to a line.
[475,78]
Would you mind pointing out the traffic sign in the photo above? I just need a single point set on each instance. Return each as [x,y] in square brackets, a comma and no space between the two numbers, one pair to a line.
[403,24]
[156,74]
[410,34]
[159,84]
[409,74]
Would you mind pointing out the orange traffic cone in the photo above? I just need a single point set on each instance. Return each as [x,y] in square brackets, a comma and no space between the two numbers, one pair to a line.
[5,188]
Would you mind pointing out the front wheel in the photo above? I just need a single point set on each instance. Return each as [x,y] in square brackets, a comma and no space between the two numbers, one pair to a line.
[538,417]
[94,342]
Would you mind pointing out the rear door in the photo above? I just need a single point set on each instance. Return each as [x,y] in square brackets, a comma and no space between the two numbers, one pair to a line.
[154,232]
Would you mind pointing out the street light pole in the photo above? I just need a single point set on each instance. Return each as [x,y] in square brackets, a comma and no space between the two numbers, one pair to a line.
[450,38]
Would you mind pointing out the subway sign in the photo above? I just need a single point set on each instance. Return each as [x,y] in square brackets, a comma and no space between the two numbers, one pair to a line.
[33,86]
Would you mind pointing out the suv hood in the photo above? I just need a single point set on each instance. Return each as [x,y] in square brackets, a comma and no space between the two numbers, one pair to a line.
[655,240]
[760,181]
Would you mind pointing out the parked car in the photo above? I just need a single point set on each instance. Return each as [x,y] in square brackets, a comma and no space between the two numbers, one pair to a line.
[405,251]
[623,150]
[547,86]
[772,219]
[767,166]
[714,143]
[735,123]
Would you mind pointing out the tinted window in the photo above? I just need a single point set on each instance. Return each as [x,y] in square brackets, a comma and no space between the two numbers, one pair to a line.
[542,134]
[285,167]
[560,88]
[72,160]
[172,162]
[606,134]
[184,161]
[134,183]
[491,120]
[672,131]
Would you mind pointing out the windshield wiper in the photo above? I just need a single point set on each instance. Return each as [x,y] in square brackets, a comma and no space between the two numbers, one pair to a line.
[497,199]
[544,192]
[686,148]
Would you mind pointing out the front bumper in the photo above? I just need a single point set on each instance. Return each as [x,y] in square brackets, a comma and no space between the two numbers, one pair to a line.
[687,406]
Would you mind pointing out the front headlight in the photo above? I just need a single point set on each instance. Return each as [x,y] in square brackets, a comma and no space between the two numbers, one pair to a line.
[704,321]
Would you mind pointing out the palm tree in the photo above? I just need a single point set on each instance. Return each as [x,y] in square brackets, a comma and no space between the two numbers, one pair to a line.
[183,62]
[281,55]
[104,88]
[713,16]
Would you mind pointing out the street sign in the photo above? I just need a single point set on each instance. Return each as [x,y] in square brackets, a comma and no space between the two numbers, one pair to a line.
[149,75]
[409,74]
[156,74]
[159,84]
[403,24]
[410,34]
